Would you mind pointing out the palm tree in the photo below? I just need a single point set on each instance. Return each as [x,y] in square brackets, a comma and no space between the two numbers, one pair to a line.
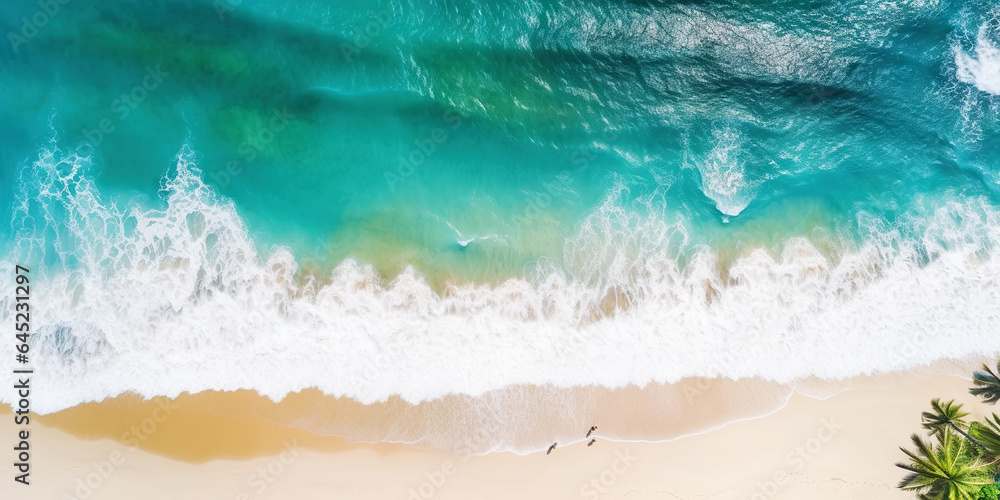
[948,472]
[946,417]
[988,435]
[987,384]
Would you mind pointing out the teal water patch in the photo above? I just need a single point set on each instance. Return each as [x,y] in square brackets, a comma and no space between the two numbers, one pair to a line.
[472,141]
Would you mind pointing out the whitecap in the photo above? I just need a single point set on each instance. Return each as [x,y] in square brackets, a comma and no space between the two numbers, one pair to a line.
[981,67]
[723,173]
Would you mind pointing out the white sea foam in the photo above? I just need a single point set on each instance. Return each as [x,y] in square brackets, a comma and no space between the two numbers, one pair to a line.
[981,68]
[723,173]
[162,301]
[464,240]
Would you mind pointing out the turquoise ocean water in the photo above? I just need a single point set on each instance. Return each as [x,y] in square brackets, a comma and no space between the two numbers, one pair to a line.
[557,193]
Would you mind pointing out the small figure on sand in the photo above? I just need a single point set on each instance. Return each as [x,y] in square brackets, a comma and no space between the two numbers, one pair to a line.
[591,443]
[591,431]
[551,448]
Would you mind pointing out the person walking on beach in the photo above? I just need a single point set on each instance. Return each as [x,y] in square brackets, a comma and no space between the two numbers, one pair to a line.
[551,448]
[591,443]
[591,431]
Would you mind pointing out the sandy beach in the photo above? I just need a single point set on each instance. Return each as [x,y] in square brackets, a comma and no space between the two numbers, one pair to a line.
[836,448]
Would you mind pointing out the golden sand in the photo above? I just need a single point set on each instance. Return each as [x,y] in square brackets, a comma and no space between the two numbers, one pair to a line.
[190,427]
[243,424]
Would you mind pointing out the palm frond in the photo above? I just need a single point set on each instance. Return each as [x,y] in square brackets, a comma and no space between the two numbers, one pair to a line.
[948,471]
[988,435]
[987,384]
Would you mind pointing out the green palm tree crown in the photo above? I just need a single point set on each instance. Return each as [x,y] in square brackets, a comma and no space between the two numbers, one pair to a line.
[944,418]
[988,435]
[987,384]
[947,417]
[951,471]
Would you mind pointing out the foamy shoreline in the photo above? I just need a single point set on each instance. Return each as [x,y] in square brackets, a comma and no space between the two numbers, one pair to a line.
[831,448]
[197,307]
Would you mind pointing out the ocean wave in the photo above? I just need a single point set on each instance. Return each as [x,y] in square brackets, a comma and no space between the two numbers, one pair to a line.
[982,66]
[723,173]
[176,298]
